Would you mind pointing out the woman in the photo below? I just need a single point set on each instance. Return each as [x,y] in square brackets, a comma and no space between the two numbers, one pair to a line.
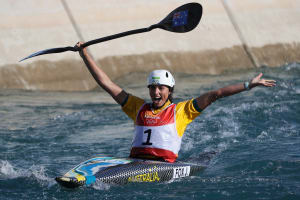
[159,125]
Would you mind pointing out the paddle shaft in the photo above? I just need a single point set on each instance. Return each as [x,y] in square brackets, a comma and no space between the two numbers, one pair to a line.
[123,34]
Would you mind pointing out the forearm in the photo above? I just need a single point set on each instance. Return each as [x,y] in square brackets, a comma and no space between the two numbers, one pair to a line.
[230,90]
[102,79]
[99,75]
[208,98]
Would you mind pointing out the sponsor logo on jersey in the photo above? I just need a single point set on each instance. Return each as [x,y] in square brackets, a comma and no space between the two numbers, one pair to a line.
[151,116]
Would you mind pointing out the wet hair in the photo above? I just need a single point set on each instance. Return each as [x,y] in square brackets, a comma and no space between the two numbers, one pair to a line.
[170,97]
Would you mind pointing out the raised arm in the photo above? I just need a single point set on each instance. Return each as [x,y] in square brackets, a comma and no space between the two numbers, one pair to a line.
[101,77]
[206,99]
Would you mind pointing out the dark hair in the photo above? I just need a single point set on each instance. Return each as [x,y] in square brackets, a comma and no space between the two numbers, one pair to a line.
[170,97]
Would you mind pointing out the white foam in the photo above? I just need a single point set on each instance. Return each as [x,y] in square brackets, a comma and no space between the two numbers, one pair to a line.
[98,185]
[39,173]
[291,66]
[8,171]
[262,135]
[297,90]
[187,144]
[222,146]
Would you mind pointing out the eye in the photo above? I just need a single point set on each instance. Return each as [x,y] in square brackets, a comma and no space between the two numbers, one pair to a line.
[151,87]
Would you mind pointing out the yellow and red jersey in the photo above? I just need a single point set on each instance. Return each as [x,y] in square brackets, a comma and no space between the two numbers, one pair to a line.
[159,131]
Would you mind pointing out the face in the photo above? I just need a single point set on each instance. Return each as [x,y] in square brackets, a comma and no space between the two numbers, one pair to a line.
[159,95]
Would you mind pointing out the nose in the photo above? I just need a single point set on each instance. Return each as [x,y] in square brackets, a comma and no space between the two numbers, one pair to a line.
[156,90]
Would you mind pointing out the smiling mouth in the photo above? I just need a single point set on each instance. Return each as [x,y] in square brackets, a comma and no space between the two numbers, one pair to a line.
[157,99]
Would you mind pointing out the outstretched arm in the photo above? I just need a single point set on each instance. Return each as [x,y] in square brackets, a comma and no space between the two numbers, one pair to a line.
[101,78]
[206,99]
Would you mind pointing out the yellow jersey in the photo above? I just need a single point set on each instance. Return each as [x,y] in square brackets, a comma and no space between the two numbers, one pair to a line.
[186,111]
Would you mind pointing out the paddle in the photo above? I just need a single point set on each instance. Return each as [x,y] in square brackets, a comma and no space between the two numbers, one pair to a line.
[183,19]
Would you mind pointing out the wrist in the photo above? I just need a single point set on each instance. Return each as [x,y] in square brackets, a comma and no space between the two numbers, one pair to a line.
[83,53]
[247,85]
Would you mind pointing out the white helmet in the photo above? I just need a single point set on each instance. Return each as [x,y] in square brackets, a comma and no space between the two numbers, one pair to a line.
[161,77]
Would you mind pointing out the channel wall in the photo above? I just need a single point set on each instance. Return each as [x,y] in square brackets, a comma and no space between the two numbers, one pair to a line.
[232,34]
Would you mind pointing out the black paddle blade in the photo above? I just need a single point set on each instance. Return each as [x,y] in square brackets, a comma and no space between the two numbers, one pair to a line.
[183,19]
[48,51]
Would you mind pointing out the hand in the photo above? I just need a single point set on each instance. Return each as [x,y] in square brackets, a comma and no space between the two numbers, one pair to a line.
[80,49]
[257,81]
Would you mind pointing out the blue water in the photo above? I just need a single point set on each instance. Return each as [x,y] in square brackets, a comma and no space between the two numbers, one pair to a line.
[256,135]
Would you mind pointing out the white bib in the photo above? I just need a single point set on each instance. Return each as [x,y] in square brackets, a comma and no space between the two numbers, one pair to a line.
[156,133]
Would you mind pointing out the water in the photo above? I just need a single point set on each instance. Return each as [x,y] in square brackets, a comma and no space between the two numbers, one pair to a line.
[256,135]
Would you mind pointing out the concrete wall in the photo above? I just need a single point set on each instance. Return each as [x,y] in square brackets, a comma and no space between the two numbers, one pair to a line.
[232,34]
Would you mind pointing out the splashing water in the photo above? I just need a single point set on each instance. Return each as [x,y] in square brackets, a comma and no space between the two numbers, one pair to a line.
[256,135]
